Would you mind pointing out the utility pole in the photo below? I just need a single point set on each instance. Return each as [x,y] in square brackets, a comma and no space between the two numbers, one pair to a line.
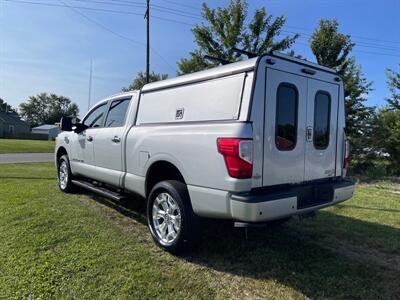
[90,83]
[147,16]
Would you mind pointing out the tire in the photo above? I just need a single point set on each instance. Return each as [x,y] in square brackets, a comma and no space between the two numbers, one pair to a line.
[173,198]
[64,175]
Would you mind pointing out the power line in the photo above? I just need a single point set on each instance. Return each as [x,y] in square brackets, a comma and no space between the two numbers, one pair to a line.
[355,36]
[301,28]
[359,51]
[358,43]
[98,9]
[141,5]
[129,4]
[197,16]
[76,7]
[114,32]
[175,13]
[181,4]
[172,21]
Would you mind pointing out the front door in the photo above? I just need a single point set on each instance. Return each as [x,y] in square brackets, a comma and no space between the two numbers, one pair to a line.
[321,129]
[82,152]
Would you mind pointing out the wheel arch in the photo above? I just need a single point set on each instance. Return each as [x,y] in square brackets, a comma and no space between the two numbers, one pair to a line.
[161,170]
[60,152]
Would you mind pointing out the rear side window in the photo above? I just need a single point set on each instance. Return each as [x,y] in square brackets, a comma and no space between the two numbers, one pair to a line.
[322,112]
[286,117]
[117,113]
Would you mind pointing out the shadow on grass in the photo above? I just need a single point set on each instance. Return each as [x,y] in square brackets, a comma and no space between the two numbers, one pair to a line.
[291,254]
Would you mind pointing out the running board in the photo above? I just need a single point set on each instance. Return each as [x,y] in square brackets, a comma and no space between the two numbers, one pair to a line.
[98,190]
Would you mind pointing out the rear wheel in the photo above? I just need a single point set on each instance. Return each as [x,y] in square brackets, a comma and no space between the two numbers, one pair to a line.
[173,225]
[64,175]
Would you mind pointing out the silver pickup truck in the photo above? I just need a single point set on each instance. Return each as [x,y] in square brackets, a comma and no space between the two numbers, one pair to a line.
[253,141]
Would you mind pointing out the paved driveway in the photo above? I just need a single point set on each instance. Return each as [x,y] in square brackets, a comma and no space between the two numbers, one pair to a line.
[25,157]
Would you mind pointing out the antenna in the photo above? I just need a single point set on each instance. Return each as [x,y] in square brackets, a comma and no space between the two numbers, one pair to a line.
[147,16]
[217,59]
[90,83]
[244,52]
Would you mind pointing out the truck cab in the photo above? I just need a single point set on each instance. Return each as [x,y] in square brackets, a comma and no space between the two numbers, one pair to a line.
[254,141]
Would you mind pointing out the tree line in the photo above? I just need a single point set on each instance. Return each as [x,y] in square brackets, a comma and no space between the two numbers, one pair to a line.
[374,132]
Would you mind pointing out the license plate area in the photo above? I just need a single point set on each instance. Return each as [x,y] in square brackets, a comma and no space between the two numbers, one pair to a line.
[314,195]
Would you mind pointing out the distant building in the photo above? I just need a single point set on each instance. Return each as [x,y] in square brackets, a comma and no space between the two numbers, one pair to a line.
[12,126]
[51,131]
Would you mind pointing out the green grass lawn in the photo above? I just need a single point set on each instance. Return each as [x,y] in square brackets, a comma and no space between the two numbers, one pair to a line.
[26,146]
[54,245]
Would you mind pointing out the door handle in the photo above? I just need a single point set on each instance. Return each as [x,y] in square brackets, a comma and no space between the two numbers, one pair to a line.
[309,134]
[89,138]
[116,139]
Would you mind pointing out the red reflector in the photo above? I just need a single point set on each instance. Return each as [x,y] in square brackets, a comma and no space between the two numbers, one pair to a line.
[346,161]
[237,167]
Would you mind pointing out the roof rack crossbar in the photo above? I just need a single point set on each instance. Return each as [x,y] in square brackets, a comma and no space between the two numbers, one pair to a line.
[217,59]
[244,52]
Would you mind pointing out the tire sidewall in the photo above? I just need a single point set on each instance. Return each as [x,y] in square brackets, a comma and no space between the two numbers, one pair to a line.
[68,187]
[179,192]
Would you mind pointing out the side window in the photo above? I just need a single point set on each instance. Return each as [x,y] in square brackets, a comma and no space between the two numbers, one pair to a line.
[95,118]
[117,113]
[322,113]
[286,117]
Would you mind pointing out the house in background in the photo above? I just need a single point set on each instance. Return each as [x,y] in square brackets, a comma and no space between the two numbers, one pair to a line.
[12,126]
[50,131]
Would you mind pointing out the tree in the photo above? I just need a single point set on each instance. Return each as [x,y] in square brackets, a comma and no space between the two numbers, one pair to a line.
[4,106]
[47,109]
[394,87]
[387,133]
[225,28]
[332,49]
[388,137]
[140,80]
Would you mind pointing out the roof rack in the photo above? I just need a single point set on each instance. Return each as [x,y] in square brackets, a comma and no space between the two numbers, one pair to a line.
[217,59]
[244,52]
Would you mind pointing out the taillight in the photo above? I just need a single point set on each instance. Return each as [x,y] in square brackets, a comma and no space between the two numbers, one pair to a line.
[346,161]
[238,155]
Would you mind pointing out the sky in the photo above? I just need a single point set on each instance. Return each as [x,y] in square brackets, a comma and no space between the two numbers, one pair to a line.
[50,48]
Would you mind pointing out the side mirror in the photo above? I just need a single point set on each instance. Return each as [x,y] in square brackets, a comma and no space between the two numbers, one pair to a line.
[66,124]
[79,127]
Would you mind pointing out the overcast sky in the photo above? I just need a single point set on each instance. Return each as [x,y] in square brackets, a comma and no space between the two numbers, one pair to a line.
[49,48]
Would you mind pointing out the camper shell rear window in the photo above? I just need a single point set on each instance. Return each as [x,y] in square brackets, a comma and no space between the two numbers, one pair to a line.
[287,99]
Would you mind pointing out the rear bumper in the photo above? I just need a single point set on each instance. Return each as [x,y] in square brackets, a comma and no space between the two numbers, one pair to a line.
[271,205]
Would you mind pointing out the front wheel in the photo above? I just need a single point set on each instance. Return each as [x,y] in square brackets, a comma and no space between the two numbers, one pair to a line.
[173,225]
[64,174]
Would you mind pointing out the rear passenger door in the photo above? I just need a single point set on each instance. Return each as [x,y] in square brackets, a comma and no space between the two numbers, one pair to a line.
[284,132]
[321,129]
[109,143]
